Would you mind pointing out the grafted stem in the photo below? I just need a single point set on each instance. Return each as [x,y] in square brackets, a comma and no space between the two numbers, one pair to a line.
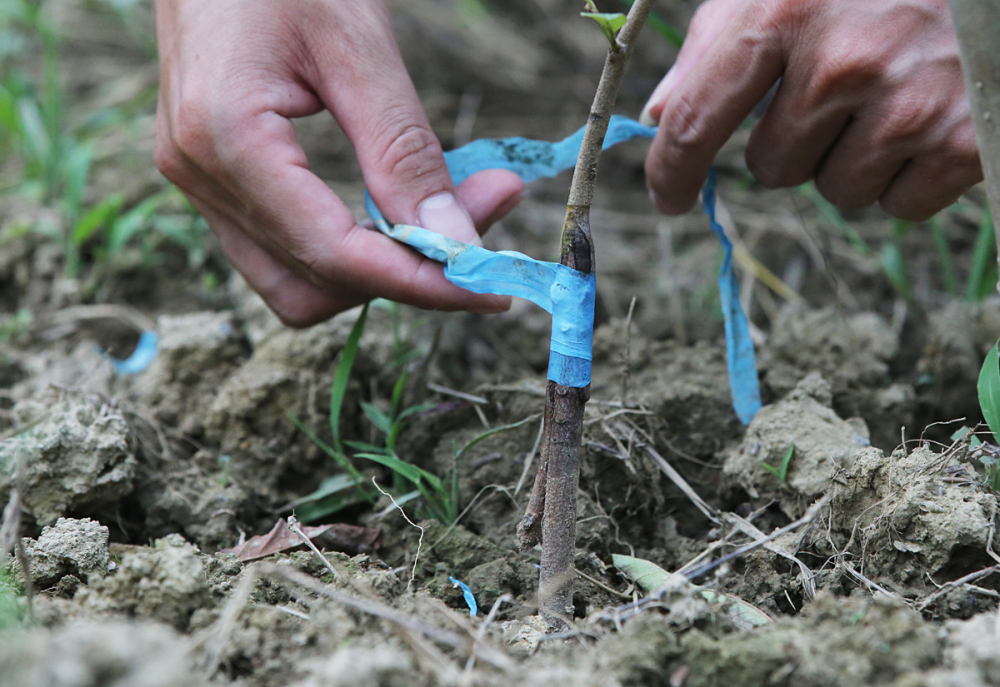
[551,514]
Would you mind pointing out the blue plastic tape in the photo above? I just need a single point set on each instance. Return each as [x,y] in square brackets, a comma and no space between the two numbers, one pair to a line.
[141,358]
[743,384]
[567,293]
[470,599]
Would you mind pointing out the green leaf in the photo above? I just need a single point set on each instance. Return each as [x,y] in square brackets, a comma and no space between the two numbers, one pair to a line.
[377,417]
[38,145]
[410,472]
[9,120]
[324,507]
[948,275]
[101,215]
[75,171]
[781,472]
[412,410]
[397,394]
[490,432]
[343,375]
[364,446]
[333,494]
[981,280]
[610,22]
[651,577]
[132,221]
[339,456]
[989,391]
[891,259]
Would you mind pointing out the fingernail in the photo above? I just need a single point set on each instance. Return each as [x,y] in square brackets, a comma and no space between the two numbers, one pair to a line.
[658,97]
[442,214]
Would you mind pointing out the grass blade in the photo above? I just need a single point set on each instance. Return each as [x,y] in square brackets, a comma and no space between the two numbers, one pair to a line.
[989,391]
[981,259]
[339,456]
[410,472]
[949,276]
[343,375]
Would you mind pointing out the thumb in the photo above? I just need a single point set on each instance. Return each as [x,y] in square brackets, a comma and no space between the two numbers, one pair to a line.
[365,86]
[706,26]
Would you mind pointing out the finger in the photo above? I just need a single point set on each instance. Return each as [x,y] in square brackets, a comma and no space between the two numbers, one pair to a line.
[295,301]
[706,26]
[800,125]
[927,185]
[364,83]
[855,174]
[312,231]
[703,109]
[489,195]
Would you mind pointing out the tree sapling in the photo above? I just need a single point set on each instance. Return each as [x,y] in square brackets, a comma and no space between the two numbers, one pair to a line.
[550,518]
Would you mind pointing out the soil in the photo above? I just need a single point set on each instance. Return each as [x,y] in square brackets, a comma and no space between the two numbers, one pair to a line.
[127,488]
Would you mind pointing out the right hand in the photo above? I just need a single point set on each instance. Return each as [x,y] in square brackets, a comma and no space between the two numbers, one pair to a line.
[871,104]
[233,75]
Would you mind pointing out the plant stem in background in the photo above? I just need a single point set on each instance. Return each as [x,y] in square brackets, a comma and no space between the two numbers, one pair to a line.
[977,25]
[551,514]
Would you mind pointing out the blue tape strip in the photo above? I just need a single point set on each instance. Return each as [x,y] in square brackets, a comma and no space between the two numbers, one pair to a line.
[566,293]
[470,599]
[743,383]
[562,291]
[141,358]
[531,159]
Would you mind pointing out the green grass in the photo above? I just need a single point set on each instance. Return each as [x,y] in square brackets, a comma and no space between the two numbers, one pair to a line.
[439,496]
[982,278]
[781,471]
[54,159]
[11,615]
[988,388]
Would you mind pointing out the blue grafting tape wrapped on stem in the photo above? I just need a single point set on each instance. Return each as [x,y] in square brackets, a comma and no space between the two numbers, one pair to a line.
[567,293]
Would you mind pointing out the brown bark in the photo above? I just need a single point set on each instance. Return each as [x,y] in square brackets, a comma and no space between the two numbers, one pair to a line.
[977,25]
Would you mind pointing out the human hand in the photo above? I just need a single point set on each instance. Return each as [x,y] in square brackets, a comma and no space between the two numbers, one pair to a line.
[871,103]
[233,75]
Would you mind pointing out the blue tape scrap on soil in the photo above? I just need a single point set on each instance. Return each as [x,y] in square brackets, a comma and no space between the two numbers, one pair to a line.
[470,599]
[566,293]
[141,358]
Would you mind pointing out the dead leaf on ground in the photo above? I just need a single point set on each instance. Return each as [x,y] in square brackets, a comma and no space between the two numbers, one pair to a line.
[350,539]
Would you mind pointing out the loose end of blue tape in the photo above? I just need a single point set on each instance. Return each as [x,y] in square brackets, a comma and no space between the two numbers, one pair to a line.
[549,284]
[743,382]
[470,599]
[142,357]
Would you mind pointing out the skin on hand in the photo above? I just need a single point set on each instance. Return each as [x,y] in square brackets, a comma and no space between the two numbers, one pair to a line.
[871,103]
[233,75]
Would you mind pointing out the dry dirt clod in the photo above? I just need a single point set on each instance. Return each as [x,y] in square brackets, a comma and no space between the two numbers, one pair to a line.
[167,582]
[905,516]
[70,547]
[85,654]
[853,353]
[78,461]
[823,442]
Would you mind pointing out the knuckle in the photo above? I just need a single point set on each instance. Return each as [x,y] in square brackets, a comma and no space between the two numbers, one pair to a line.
[408,149]
[909,118]
[769,171]
[781,16]
[168,158]
[843,72]
[688,125]
[190,133]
